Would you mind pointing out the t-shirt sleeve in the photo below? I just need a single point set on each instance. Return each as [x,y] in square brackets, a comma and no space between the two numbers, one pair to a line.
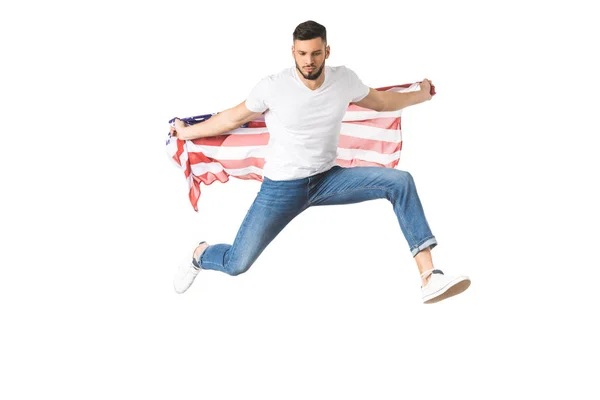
[257,101]
[358,90]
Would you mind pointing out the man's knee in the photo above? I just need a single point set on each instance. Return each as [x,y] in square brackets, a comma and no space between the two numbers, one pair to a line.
[405,175]
[402,179]
[238,268]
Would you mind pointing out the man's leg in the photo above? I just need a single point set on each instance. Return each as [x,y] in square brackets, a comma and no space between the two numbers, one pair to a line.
[354,185]
[277,203]
[357,184]
[425,264]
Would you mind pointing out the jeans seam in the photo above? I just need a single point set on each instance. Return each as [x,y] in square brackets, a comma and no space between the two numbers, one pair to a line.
[408,231]
[209,263]
[351,191]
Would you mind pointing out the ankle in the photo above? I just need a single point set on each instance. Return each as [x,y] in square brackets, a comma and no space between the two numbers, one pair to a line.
[425,277]
[199,250]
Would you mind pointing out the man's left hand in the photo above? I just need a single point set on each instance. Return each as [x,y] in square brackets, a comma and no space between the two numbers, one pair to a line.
[427,89]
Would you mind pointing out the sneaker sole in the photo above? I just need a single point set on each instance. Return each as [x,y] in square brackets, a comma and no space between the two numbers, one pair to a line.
[449,290]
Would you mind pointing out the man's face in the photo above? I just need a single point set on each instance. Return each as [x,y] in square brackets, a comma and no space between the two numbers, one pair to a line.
[310,56]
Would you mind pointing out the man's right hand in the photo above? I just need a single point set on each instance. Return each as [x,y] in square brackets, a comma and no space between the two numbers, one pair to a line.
[177,130]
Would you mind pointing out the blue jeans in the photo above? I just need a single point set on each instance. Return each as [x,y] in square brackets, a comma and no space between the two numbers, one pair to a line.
[278,202]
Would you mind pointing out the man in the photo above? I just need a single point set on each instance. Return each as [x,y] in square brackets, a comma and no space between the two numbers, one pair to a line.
[304,108]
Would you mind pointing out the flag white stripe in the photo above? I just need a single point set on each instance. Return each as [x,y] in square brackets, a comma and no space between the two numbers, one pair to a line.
[364,115]
[369,132]
[248,131]
[184,157]
[367,155]
[228,152]
[215,167]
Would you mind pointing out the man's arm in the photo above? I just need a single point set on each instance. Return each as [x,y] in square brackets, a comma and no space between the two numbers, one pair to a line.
[218,124]
[392,101]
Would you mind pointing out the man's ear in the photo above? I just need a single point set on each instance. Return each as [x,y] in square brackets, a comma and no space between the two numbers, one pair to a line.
[327,50]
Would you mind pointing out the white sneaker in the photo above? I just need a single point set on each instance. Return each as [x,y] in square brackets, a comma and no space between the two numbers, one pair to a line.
[186,273]
[441,287]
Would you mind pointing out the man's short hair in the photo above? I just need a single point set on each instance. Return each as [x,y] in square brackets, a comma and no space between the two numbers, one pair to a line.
[310,30]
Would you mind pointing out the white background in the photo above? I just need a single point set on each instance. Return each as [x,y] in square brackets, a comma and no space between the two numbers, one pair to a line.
[95,216]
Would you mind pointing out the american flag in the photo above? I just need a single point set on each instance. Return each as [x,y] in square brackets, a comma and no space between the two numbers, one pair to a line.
[367,137]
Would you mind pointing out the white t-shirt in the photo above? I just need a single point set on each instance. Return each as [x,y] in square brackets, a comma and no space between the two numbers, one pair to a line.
[304,124]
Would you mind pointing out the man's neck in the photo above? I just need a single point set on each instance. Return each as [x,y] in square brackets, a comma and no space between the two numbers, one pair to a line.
[312,85]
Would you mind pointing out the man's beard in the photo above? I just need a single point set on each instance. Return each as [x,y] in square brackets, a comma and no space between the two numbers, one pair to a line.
[314,75]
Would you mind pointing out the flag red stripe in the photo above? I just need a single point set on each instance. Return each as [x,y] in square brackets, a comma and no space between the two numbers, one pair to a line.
[257,124]
[383,123]
[208,178]
[362,163]
[196,158]
[180,149]
[351,142]
[261,138]
[405,86]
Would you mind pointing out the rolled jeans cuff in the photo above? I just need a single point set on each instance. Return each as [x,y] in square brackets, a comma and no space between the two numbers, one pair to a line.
[430,242]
